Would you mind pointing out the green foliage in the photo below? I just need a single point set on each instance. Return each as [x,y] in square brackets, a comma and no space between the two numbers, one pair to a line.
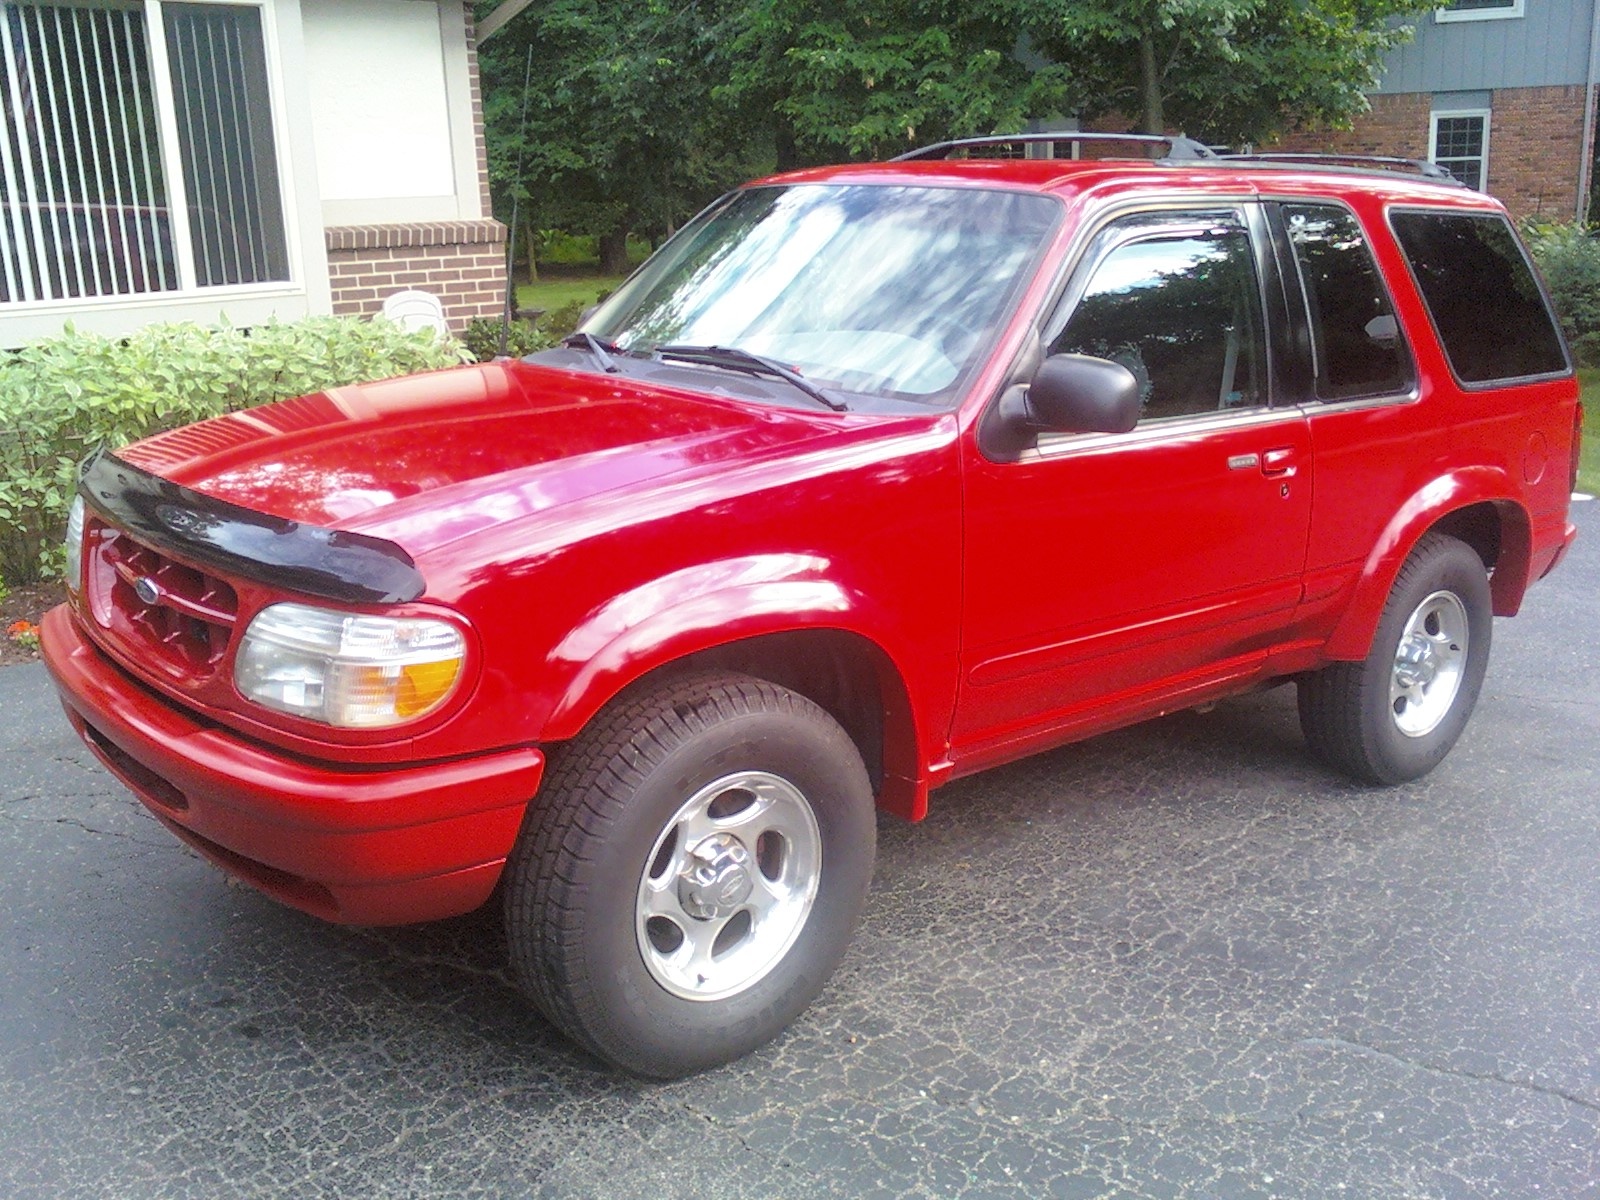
[615,131]
[881,76]
[482,339]
[559,322]
[1227,71]
[62,397]
[558,248]
[637,115]
[1569,258]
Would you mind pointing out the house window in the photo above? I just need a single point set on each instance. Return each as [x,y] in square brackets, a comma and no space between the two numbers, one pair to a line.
[1459,142]
[137,152]
[1478,10]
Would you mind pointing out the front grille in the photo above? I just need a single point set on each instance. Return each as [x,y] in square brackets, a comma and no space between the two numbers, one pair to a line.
[182,616]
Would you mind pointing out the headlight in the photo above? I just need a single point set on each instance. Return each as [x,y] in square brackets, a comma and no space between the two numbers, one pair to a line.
[75,544]
[347,669]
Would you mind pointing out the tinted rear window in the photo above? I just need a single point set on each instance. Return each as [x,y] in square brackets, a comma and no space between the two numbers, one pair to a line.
[1485,303]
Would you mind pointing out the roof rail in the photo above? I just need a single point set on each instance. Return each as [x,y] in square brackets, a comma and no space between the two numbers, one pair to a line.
[1409,166]
[1179,148]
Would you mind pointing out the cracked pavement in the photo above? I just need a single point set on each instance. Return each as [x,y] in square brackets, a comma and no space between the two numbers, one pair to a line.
[1182,960]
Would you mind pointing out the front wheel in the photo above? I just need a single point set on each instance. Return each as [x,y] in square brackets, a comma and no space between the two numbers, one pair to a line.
[1395,715]
[693,873]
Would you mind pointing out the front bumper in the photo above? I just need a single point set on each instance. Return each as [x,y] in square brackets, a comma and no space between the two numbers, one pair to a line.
[361,846]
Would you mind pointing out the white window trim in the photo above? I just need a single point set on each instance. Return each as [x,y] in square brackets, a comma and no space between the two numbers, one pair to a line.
[22,321]
[1445,114]
[1444,16]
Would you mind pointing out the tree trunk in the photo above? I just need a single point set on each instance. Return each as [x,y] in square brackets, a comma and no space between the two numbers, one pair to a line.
[1150,86]
[788,153]
[532,244]
[614,252]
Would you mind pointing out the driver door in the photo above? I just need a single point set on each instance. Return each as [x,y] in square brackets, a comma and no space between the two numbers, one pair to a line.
[1108,576]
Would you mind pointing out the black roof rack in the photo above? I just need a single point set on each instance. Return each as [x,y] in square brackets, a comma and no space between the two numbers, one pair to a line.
[1182,149]
[1179,148]
[1370,162]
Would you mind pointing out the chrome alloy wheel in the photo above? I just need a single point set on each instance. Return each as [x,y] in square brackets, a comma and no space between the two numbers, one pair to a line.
[1429,664]
[728,886]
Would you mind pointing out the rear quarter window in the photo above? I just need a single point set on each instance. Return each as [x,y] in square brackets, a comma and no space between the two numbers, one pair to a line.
[1485,303]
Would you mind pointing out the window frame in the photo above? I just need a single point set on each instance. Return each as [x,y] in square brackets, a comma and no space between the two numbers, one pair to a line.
[24,319]
[1305,344]
[1491,385]
[1091,251]
[1438,114]
[1504,12]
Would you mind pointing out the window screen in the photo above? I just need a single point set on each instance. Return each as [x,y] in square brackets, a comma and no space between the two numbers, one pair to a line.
[1458,145]
[1355,337]
[1178,306]
[1483,298]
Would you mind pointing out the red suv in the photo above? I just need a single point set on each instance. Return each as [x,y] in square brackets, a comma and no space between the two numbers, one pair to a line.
[873,477]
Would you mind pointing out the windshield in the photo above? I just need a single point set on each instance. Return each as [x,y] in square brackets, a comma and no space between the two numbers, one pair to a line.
[873,290]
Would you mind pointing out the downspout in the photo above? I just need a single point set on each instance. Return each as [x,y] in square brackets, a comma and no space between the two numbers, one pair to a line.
[1586,163]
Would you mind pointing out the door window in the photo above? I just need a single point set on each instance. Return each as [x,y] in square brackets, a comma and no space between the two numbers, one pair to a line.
[1355,337]
[1176,300]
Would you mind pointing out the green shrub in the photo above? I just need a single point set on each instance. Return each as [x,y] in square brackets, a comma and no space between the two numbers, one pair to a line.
[559,322]
[482,339]
[1569,258]
[62,397]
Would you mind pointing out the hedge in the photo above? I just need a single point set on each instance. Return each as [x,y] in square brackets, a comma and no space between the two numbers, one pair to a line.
[62,397]
[1569,259]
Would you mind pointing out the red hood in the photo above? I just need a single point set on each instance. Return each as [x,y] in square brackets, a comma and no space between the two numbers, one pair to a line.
[428,458]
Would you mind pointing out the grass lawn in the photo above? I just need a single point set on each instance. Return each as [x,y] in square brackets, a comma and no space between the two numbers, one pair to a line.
[552,290]
[1589,465]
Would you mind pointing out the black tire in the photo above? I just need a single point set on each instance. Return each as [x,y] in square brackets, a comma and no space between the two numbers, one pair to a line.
[608,812]
[1349,713]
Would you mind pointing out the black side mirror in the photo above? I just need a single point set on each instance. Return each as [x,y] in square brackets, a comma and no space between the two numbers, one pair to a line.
[1075,393]
[1069,393]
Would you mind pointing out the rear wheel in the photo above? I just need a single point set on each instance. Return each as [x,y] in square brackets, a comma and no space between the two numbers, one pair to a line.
[1394,716]
[693,873]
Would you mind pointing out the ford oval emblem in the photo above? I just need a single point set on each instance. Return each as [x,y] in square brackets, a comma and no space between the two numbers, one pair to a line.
[147,589]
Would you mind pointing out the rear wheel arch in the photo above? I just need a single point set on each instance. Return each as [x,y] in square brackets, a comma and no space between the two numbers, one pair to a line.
[1497,529]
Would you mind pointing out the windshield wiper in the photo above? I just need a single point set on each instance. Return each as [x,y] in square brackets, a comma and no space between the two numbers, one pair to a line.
[600,351]
[735,359]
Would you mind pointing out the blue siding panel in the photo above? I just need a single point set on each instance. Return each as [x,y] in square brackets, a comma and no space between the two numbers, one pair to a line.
[1547,46]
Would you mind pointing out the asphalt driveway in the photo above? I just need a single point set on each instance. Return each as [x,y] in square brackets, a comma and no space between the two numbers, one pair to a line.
[1179,961]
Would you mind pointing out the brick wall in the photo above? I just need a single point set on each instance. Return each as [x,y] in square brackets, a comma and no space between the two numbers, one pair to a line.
[461,262]
[1535,150]
[1397,125]
[1535,143]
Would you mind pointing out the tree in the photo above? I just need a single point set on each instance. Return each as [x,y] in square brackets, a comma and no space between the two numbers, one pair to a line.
[878,77]
[1222,70]
[599,118]
[640,113]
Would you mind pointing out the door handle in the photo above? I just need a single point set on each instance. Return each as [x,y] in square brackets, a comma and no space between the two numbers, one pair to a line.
[1279,463]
